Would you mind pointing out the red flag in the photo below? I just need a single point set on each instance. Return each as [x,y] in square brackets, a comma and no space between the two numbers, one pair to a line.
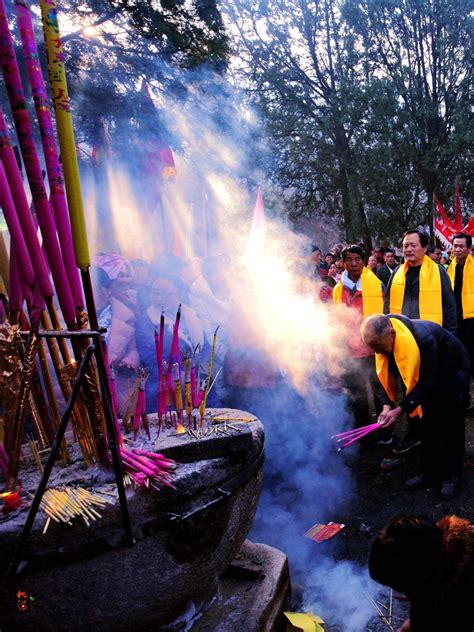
[457,208]
[469,227]
[442,213]
[444,228]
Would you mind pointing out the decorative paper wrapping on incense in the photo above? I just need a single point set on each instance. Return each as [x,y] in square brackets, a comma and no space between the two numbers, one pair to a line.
[321,532]
[303,622]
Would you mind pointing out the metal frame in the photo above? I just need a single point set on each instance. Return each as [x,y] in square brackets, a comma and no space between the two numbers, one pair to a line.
[93,349]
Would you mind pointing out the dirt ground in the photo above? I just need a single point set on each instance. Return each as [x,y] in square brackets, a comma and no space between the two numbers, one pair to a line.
[381,496]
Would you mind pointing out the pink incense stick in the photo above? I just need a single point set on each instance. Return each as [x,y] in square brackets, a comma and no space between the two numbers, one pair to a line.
[193,387]
[15,181]
[348,433]
[16,295]
[11,74]
[53,166]
[14,228]
[175,354]
[359,436]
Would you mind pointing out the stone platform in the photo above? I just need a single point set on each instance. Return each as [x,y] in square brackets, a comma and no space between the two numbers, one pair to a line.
[252,593]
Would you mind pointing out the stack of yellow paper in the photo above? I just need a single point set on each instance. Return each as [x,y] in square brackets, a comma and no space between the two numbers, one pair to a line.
[303,622]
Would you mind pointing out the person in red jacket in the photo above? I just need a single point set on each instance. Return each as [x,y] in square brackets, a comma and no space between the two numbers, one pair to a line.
[362,293]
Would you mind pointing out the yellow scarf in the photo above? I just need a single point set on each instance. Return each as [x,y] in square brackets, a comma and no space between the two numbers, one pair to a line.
[467,293]
[430,298]
[407,359]
[372,297]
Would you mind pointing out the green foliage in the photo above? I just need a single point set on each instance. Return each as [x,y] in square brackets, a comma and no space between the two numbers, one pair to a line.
[366,104]
[115,45]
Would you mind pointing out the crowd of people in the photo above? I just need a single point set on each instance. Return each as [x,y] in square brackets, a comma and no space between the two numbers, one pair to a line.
[431,320]
[431,333]
[413,356]
[420,346]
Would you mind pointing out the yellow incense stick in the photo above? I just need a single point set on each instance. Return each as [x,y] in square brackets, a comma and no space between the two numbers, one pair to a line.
[202,407]
[62,110]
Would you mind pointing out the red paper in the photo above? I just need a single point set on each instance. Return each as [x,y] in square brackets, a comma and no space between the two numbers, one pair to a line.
[321,532]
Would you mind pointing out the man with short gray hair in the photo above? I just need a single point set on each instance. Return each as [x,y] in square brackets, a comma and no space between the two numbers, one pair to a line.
[434,368]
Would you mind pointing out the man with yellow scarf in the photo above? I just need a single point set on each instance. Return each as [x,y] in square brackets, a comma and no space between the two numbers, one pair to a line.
[461,273]
[362,292]
[419,288]
[434,368]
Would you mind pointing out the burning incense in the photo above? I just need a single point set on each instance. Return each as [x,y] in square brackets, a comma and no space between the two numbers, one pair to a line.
[381,614]
[188,395]
[35,453]
[13,442]
[209,374]
[178,395]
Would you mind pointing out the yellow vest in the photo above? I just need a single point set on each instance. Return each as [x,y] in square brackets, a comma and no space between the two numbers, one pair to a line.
[430,299]
[407,359]
[372,296]
[467,293]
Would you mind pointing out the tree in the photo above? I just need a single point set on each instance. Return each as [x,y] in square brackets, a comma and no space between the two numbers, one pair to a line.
[424,48]
[302,64]
[365,103]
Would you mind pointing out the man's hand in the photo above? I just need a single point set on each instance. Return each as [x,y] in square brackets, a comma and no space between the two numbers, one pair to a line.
[389,417]
[385,410]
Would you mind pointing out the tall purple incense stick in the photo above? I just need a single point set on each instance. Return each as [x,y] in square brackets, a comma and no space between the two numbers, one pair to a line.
[15,182]
[11,74]
[53,166]
[16,234]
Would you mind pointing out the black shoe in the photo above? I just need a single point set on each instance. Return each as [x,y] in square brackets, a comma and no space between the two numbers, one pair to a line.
[404,445]
[450,488]
[418,482]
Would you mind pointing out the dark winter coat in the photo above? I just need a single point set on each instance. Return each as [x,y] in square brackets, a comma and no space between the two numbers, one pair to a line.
[444,366]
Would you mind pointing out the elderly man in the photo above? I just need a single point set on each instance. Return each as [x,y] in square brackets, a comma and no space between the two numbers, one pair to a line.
[434,368]
[362,292]
[461,273]
[419,288]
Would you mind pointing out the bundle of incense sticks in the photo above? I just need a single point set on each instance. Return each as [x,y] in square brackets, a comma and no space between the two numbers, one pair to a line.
[354,435]
[181,394]
[62,505]
[148,468]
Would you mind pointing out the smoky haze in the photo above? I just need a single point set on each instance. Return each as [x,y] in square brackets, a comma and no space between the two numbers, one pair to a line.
[268,303]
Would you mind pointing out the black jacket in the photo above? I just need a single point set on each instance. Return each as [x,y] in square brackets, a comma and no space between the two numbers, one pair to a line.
[384,273]
[411,302]
[445,370]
